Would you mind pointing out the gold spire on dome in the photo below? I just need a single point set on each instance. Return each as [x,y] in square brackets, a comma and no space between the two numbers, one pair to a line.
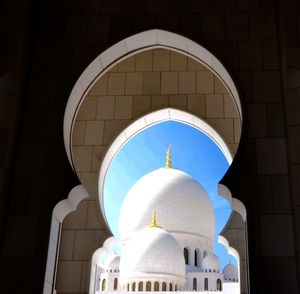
[153,222]
[168,158]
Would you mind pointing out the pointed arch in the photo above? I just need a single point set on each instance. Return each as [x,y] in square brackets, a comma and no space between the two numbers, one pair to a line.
[130,46]
[105,61]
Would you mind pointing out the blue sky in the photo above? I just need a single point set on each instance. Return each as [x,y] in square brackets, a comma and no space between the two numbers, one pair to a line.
[192,152]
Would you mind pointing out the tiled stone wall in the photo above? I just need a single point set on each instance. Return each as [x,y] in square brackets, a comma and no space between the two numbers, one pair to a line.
[256,40]
[143,83]
[83,232]
[290,38]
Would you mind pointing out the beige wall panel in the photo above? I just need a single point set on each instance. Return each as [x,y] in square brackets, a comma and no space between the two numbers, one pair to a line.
[76,220]
[151,83]
[178,62]
[214,106]
[194,65]
[69,276]
[67,245]
[123,107]
[116,83]
[196,104]
[159,101]
[178,101]
[128,65]
[169,83]
[83,158]
[219,86]
[141,105]
[187,82]
[94,132]
[87,110]
[143,61]
[134,83]
[100,87]
[205,82]
[106,107]
[161,60]
[79,133]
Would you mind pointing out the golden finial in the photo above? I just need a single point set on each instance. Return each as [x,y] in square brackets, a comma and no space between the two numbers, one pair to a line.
[153,223]
[168,159]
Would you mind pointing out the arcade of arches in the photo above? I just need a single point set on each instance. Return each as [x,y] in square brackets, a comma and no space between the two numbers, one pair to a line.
[148,81]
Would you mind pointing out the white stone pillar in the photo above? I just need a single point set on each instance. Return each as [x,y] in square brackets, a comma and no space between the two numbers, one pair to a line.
[191,257]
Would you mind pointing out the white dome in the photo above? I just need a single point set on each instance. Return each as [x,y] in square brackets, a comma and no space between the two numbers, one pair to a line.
[112,262]
[211,262]
[230,272]
[182,204]
[152,251]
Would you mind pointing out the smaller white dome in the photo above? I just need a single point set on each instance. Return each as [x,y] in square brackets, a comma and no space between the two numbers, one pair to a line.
[112,262]
[152,251]
[230,272]
[211,263]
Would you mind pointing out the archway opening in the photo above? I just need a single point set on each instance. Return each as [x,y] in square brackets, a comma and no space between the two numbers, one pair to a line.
[146,152]
[123,163]
[184,136]
[92,79]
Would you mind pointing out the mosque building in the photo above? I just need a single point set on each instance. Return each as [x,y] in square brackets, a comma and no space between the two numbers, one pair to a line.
[174,253]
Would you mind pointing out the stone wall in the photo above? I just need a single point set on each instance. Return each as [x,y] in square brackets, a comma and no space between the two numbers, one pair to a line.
[146,82]
[255,40]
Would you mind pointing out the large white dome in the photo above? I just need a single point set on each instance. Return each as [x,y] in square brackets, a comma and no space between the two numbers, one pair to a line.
[182,204]
[152,251]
